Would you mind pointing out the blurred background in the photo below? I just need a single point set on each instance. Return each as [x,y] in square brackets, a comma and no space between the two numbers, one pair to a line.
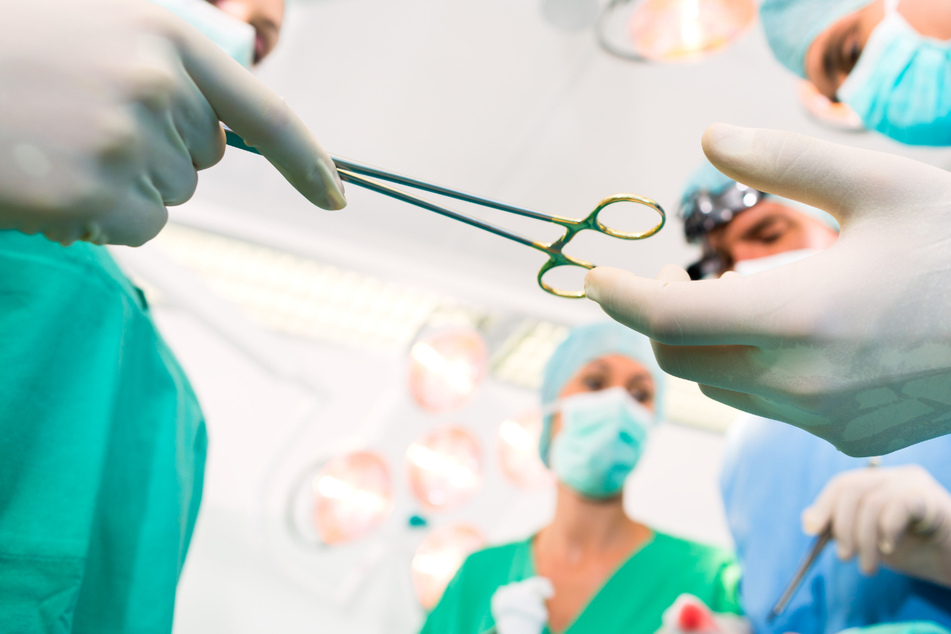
[370,376]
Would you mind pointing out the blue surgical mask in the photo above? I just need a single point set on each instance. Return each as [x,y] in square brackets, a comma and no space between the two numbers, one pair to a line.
[901,85]
[234,37]
[601,440]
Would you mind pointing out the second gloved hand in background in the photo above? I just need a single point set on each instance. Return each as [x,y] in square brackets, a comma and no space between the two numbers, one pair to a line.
[898,516]
[519,608]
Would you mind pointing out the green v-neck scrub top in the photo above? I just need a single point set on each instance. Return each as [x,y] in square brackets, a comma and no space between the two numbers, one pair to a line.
[102,447]
[631,602]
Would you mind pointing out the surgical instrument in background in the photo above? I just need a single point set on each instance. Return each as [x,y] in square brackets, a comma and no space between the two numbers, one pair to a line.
[818,545]
[369,177]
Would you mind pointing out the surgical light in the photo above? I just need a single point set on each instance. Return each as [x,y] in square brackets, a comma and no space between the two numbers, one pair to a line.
[353,494]
[446,369]
[518,451]
[438,557]
[445,467]
[672,30]
[834,114]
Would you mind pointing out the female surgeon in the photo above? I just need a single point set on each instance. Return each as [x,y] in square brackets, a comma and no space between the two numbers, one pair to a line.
[592,569]
[890,60]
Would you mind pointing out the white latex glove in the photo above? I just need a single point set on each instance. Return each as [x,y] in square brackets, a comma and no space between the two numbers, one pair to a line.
[852,344]
[519,608]
[689,615]
[108,108]
[899,516]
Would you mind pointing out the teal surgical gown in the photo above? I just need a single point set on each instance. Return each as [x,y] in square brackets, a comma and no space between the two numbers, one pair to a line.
[632,601]
[102,447]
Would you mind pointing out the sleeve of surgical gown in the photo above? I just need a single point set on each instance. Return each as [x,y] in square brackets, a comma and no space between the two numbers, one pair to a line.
[95,476]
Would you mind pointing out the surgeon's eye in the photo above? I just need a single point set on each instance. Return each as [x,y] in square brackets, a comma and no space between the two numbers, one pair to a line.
[594,382]
[642,396]
[769,231]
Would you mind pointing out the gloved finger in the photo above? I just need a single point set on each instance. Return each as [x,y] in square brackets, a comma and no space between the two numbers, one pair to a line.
[817,517]
[893,523]
[839,179]
[133,221]
[263,120]
[843,520]
[713,366]
[867,538]
[163,86]
[709,312]
[544,587]
[153,90]
[738,400]
[170,165]
[197,124]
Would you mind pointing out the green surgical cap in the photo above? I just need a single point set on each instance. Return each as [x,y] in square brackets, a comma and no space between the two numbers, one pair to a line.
[584,345]
[792,25]
[707,178]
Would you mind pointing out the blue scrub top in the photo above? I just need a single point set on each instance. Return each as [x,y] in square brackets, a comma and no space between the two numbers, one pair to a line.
[771,472]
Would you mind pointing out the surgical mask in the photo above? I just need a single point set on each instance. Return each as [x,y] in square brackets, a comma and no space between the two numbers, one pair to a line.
[234,37]
[899,86]
[601,440]
[748,267]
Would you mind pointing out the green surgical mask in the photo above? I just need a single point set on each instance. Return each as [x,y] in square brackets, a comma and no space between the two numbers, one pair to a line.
[901,85]
[601,440]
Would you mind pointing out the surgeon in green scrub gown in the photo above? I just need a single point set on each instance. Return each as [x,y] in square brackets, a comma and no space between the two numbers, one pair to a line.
[103,447]
[608,573]
[102,442]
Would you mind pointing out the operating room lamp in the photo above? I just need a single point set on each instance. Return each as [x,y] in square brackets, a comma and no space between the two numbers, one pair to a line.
[672,30]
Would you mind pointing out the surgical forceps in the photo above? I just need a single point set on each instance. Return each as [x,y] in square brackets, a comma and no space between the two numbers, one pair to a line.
[363,176]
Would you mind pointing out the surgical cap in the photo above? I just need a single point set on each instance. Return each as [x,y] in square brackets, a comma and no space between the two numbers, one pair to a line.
[707,178]
[584,345]
[792,25]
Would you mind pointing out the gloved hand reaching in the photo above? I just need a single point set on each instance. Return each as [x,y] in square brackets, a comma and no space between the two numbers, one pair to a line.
[110,107]
[852,344]
[519,608]
[898,516]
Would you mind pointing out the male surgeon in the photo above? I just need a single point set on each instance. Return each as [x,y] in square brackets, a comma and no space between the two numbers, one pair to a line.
[772,472]
[107,110]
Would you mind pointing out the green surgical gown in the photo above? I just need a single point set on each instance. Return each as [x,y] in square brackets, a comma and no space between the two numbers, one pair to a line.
[630,602]
[102,447]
